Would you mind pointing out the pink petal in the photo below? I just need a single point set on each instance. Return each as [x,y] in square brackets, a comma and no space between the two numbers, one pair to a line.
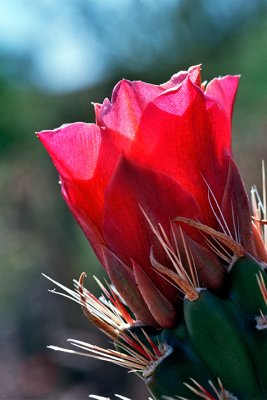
[193,73]
[97,109]
[129,99]
[85,157]
[224,91]
[124,111]
[74,149]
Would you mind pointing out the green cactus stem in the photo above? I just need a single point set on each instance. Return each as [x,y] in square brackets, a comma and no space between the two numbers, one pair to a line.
[243,285]
[168,378]
[219,340]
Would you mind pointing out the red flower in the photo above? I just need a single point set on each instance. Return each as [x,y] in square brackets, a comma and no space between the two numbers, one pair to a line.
[155,153]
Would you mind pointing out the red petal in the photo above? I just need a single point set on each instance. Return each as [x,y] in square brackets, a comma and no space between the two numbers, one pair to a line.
[186,135]
[126,230]
[87,225]
[161,309]
[123,279]
[224,91]
[210,271]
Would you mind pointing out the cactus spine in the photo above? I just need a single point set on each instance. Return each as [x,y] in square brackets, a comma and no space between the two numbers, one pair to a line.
[219,337]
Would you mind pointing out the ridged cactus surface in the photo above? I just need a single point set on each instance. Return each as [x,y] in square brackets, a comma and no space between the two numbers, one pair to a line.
[218,336]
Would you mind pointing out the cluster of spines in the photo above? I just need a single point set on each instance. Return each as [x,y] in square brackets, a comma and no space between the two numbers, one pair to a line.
[183,361]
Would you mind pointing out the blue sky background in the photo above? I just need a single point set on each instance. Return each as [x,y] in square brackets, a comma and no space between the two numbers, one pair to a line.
[65,45]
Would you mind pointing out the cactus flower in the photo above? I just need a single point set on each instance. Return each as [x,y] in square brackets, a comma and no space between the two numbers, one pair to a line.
[154,187]
[155,153]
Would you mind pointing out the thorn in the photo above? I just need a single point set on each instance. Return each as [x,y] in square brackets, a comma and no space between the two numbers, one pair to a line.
[262,286]
[261,221]
[229,242]
[189,291]
[102,325]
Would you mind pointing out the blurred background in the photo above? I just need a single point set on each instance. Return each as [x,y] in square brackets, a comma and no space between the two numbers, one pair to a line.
[56,57]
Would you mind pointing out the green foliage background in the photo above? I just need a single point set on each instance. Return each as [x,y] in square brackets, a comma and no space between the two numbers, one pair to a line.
[37,232]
